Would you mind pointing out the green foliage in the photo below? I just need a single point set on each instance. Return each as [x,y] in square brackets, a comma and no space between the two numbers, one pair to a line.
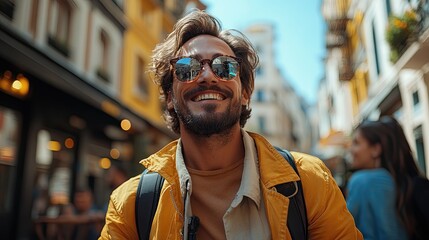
[400,32]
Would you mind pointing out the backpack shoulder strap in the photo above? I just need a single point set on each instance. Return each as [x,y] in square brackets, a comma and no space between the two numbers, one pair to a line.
[297,215]
[147,198]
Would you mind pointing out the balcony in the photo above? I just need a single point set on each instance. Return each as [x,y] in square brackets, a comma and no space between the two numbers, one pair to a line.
[416,55]
[334,40]
[335,14]
[412,49]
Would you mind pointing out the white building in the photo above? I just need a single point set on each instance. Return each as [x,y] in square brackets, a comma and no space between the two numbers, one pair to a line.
[277,111]
[391,87]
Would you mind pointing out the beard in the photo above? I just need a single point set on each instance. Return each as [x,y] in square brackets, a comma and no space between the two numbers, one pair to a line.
[210,122]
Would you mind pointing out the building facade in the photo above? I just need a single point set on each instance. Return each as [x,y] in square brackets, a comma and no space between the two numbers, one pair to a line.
[382,58]
[277,111]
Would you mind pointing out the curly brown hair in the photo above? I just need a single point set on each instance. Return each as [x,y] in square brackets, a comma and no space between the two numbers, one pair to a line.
[194,24]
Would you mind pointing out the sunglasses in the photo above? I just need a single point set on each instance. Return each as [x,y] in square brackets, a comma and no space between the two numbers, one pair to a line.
[188,69]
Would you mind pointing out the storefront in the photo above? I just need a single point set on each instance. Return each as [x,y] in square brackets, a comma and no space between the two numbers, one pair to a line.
[58,134]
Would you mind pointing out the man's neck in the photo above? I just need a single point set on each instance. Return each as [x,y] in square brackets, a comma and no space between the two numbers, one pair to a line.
[213,152]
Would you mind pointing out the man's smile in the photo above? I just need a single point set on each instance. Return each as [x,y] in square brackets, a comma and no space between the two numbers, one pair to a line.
[208,96]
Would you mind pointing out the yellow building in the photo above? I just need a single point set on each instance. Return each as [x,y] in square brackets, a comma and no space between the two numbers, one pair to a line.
[149,21]
[357,57]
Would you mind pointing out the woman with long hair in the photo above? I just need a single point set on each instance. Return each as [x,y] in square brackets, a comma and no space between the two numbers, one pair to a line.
[380,192]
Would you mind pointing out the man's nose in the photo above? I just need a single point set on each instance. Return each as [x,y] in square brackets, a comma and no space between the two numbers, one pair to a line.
[207,75]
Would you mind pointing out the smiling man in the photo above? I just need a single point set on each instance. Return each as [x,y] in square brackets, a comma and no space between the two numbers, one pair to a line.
[217,172]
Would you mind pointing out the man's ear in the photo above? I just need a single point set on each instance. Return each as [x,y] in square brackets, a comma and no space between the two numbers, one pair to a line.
[245,98]
[170,105]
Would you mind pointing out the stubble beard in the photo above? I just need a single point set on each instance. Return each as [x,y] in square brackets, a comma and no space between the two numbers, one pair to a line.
[209,122]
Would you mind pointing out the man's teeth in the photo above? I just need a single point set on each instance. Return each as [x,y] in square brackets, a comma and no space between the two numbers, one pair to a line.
[209,96]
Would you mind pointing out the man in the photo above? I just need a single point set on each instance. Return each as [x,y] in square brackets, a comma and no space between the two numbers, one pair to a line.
[217,171]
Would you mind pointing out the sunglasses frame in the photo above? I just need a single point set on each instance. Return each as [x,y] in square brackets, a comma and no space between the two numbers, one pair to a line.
[202,63]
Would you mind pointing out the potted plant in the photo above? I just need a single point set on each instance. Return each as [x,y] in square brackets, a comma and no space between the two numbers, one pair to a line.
[401,31]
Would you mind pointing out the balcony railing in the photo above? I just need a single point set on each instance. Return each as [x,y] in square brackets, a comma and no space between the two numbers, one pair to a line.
[423,12]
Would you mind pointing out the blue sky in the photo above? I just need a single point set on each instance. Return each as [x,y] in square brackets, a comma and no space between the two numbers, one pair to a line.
[299,29]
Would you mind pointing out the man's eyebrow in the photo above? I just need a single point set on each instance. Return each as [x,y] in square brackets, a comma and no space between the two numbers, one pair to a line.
[199,57]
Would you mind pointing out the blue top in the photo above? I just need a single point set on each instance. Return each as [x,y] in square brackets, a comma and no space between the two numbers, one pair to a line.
[371,200]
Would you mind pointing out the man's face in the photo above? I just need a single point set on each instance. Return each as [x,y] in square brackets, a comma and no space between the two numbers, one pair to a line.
[207,105]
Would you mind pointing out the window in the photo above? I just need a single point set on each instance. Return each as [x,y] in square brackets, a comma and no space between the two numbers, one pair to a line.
[376,54]
[388,8]
[420,148]
[416,102]
[148,12]
[103,69]
[260,96]
[262,124]
[59,25]
[141,79]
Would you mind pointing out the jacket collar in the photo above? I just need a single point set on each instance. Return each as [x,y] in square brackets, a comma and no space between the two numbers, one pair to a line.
[163,162]
[274,169]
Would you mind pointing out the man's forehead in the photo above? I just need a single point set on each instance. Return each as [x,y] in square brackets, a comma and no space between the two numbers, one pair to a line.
[206,45]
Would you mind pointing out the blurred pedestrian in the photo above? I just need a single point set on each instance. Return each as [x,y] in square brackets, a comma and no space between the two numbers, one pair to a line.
[379,193]
[89,216]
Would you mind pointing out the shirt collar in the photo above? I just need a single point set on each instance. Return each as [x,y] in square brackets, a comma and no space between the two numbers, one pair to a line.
[182,171]
[249,186]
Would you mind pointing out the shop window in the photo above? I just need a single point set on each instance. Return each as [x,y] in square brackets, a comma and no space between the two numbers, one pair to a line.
[55,156]
[10,124]
[92,169]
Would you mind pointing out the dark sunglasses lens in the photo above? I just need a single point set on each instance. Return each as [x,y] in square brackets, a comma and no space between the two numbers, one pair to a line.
[186,69]
[225,67]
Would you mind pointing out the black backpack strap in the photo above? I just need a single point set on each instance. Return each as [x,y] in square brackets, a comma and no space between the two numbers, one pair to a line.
[147,198]
[297,214]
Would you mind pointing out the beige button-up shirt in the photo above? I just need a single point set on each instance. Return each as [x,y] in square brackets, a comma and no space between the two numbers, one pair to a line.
[246,217]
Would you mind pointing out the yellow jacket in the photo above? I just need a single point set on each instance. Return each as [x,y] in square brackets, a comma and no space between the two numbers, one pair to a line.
[328,217]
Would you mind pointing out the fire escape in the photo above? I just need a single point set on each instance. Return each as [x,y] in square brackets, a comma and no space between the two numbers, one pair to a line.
[335,13]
